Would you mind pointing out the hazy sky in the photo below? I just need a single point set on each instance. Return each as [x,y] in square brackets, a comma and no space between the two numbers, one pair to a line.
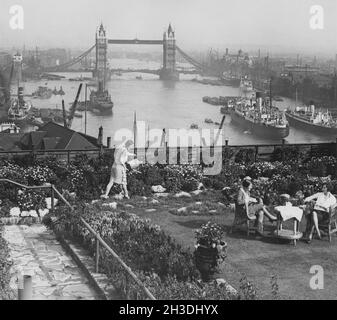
[198,23]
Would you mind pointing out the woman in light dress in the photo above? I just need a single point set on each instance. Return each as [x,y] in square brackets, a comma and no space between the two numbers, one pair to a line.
[256,208]
[118,169]
[319,210]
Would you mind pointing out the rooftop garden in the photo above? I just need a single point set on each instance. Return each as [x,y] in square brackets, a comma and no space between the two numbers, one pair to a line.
[155,231]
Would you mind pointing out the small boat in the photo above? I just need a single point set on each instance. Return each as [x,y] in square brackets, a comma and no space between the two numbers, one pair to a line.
[194,126]
[42,93]
[139,78]
[208,120]
[61,92]
[217,123]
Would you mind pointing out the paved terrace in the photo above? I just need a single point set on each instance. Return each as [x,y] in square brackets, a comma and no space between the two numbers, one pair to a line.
[35,251]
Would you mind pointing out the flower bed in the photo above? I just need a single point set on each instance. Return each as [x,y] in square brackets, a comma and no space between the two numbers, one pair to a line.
[87,178]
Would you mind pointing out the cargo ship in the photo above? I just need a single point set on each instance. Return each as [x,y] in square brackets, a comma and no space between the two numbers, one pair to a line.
[308,118]
[260,119]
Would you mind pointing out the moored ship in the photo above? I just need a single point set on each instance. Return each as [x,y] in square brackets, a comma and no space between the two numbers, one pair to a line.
[230,80]
[261,120]
[310,119]
[101,100]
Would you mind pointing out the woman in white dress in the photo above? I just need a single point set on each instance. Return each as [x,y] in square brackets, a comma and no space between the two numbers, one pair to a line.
[118,169]
[319,210]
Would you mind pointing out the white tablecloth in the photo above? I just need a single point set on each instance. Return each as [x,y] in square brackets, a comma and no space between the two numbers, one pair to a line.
[288,212]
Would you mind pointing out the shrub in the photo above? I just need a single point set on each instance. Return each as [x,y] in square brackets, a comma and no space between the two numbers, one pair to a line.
[163,265]
[5,292]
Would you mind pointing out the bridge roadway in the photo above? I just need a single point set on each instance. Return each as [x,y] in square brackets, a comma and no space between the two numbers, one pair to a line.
[135,41]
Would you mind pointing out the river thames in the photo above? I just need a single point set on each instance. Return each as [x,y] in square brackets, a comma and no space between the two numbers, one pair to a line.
[158,103]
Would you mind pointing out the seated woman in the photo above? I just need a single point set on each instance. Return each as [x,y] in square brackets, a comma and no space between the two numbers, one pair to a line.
[256,209]
[318,210]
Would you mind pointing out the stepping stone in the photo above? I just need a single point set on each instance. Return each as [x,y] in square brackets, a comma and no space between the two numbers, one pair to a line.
[111,205]
[158,189]
[183,209]
[182,194]
[197,192]
[161,195]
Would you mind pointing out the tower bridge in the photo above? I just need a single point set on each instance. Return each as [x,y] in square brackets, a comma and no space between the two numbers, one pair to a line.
[169,69]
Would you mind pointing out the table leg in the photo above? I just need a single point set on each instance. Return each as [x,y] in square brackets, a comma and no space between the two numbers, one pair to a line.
[295,227]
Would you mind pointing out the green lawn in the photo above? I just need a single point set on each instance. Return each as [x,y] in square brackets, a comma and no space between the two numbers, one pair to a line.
[259,259]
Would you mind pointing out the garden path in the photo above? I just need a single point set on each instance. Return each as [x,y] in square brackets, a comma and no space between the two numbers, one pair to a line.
[35,251]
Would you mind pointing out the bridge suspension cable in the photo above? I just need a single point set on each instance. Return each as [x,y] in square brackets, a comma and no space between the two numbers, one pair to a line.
[71,62]
[192,61]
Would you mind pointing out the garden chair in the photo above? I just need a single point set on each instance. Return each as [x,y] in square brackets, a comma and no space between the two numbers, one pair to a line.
[329,226]
[241,218]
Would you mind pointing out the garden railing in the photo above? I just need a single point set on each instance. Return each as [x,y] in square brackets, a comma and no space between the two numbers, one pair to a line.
[182,155]
[98,240]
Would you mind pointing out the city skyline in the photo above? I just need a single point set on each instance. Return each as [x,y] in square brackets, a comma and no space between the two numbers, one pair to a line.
[199,25]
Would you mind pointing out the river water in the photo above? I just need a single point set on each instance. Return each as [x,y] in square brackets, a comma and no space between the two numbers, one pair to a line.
[158,103]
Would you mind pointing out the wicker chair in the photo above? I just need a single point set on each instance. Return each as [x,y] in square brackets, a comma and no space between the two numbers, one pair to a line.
[241,218]
[330,226]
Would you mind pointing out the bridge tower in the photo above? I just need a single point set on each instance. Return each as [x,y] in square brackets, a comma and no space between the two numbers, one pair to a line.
[169,71]
[101,58]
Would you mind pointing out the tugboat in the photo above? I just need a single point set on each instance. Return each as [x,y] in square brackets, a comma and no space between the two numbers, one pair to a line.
[101,99]
[261,120]
[308,118]
[19,109]
[61,92]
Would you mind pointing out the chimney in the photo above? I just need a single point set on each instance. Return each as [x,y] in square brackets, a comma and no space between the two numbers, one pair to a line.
[108,142]
[259,100]
[100,136]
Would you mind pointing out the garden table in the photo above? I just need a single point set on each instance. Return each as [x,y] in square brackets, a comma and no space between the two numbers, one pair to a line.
[289,213]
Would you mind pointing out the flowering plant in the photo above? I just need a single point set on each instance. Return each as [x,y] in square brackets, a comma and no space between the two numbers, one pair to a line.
[210,234]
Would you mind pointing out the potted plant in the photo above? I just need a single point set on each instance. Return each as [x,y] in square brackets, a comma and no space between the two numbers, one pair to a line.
[210,250]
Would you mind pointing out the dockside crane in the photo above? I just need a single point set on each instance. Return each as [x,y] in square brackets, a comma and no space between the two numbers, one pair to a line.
[69,120]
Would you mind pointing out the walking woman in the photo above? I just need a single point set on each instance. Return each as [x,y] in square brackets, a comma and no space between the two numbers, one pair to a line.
[118,169]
